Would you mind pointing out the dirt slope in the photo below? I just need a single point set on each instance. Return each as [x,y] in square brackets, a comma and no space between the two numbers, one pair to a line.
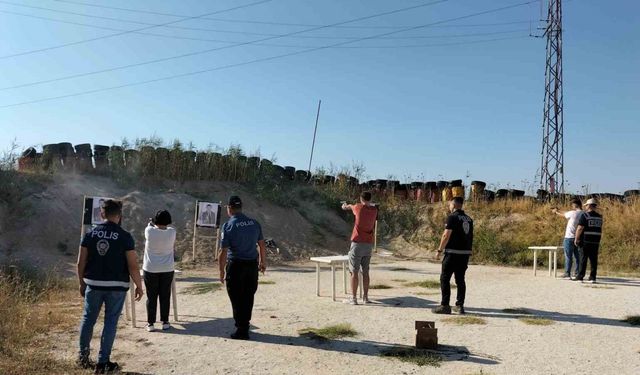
[49,234]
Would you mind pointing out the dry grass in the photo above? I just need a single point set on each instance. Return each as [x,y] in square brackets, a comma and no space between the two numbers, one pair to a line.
[465,320]
[399,280]
[202,288]
[505,228]
[634,320]
[380,286]
[415,356]
[32,307]
[536,321]
[399,269]
[429,284]
[332,332]
[266,282]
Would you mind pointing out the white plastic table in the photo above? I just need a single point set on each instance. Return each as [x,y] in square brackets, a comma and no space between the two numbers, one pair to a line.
[333,261]
[550,249]
[130,305]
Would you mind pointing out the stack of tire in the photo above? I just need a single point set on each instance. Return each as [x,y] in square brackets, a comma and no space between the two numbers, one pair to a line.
[132,161]
[27,161]
[100,157]
[147,161]
[84,161]
[67,156]
[253,162]
[502,194]
[51,157]
[631,196]
[401,191]
[289,173]
[188,164]
[302,176]
[116,159]
[477,190]
[161,162]
[457,189]
[440,187]
[516,194]
[418,191]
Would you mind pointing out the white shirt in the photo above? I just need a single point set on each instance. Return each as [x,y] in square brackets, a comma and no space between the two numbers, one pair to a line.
[159,249]
[572,216]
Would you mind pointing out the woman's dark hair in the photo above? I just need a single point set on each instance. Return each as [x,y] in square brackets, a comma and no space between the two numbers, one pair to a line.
[163,217]
[577,202]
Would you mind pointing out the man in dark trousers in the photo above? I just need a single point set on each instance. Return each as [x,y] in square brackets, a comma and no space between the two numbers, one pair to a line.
[588,235]
[105,262]
[240,262]
[456,243]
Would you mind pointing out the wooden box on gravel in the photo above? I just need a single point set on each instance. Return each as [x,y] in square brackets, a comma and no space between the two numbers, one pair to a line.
[427,335]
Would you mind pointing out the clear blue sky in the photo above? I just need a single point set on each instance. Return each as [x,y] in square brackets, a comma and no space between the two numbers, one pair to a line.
[418,113]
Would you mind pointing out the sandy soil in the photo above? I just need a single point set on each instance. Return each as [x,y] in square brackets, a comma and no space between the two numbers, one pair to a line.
[586,336]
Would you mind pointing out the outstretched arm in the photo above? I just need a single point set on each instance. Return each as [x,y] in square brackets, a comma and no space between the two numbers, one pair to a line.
[83,254]
[222,262]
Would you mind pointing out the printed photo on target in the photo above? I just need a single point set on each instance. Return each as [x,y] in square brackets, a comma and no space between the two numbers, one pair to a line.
[96,217]
[208,214]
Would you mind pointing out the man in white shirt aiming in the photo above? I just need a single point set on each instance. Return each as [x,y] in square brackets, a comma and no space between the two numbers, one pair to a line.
[571,251]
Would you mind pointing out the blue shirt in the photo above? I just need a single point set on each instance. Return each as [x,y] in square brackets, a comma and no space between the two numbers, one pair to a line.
[107,267]
[240,236]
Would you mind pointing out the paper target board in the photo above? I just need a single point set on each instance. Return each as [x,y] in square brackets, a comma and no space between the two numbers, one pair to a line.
[92,210]
[208,214]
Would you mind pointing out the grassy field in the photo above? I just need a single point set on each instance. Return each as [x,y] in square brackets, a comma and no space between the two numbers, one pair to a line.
[32,306]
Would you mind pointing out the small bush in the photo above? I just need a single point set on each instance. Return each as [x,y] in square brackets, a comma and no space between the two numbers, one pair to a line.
[536,321]
[429,284]
[329,332]
[415,356]
[201,288]
[380,286]
[465,320]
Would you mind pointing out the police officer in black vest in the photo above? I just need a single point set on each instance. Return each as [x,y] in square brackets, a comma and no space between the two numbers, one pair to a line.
[240,262]
[588,234]
[456,243]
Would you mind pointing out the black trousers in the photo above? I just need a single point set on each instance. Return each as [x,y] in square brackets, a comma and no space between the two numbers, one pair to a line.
[453,264]
[158,285]
[241,278]
[590,252]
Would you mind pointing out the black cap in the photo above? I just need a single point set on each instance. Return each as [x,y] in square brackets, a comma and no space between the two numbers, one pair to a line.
[235,202]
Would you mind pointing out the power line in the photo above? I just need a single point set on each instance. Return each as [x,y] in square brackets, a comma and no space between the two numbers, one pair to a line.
[190,54]
[130,31]
[406,46]
[234,41]
[264,59]
[269,22]
[249,33]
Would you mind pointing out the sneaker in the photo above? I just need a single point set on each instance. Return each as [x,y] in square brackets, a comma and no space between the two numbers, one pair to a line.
[107,368]
[240,335]
[150,328]
[592,281]
[350,301]
[166,326]
[459,309]
[565,276]
[365,300]
[577,279]
[442,310]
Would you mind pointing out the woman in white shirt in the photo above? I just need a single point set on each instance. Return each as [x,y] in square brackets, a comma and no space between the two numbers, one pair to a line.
[158,267]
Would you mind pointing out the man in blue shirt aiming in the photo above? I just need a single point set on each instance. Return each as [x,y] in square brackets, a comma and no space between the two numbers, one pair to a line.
[240,262]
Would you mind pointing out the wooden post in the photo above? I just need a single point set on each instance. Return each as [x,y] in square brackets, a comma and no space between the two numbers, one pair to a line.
[535,261]
[344,276]
[333,281]
[318,279]
[195,231]
[549,262]
[361,284]
[555,263]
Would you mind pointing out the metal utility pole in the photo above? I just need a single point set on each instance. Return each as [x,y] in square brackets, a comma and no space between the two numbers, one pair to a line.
[313,144]
[552,167]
